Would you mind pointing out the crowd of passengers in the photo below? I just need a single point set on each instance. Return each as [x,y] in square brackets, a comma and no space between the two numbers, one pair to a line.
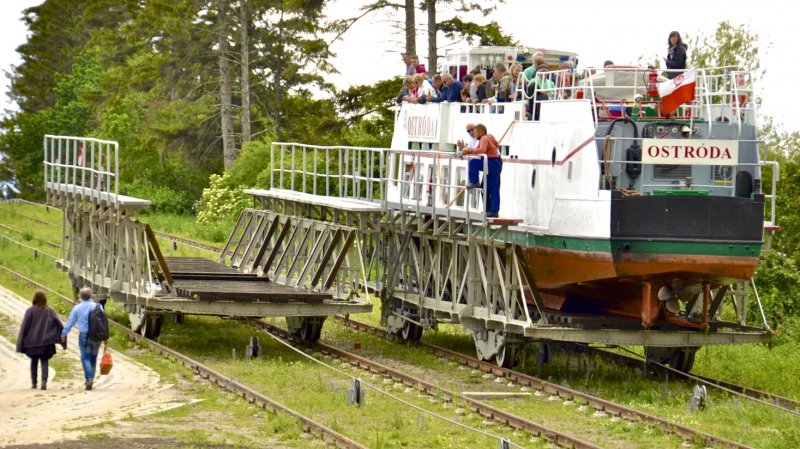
[504,83]
[502,86]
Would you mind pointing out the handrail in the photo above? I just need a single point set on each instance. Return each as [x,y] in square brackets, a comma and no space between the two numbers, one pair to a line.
[345,171]
[71,160]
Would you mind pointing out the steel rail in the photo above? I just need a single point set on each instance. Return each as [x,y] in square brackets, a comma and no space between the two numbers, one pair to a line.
[787,404]
[28,217]
[46,242]
[188,242]
[174,238]
[618,410]
[309,425]
[513,421]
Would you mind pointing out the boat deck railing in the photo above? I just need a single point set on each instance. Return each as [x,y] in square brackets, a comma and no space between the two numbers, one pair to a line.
[722,94]
[337,171]
[398,180]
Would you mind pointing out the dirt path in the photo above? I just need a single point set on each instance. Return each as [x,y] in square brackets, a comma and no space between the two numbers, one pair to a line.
[66,410]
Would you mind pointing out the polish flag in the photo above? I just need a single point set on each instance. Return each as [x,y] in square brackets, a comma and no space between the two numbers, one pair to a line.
[677,91]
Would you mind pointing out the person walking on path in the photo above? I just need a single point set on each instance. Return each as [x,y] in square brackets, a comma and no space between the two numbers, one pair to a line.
[38,335]
[89,348]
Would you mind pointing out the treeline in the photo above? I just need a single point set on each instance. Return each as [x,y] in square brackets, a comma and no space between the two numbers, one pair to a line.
[183,86]
[196,90]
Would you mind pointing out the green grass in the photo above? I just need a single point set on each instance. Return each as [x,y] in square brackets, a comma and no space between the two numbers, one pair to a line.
[187,227]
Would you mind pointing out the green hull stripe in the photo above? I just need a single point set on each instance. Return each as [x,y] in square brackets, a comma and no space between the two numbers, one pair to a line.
[635,247]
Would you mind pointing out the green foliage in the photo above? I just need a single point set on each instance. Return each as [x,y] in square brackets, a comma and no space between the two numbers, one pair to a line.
[220,202]
[730,45]
[252,166]
[70,114]
[778,282]
[489,34]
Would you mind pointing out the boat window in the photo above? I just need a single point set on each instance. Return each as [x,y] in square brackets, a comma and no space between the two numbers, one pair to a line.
[671,172]
[569,171]
[722,174]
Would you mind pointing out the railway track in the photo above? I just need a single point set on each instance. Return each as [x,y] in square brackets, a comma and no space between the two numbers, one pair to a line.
[779,401]
[21,232]
[164,235]
[508,419]
[309,425]
[566,393]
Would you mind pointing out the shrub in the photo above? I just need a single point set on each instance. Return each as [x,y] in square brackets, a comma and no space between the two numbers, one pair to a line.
[778,282]
[163,198]
[220,202]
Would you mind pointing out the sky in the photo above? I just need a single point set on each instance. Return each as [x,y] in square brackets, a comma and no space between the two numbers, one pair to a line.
[623,31]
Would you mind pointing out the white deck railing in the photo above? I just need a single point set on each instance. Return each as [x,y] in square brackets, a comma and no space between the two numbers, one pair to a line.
[88,166]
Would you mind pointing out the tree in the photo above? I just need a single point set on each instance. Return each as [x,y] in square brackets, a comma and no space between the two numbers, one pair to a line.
[244,25]
[226,109]
[289,54]
[729,46]
[489,34]
[484,7]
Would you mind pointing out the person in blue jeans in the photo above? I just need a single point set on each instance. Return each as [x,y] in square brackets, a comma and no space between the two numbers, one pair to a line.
[487,144]
[89,349]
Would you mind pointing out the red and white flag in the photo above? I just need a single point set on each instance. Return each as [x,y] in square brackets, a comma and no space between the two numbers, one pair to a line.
[677,91]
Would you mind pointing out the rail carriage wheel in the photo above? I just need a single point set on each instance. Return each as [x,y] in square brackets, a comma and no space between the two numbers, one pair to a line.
[679,358]
[307,328]
[507,355]
[502,347]
[410,331]
[402,321]
[146,324]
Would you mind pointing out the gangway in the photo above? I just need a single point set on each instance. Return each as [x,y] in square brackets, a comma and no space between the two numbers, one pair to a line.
[106,247]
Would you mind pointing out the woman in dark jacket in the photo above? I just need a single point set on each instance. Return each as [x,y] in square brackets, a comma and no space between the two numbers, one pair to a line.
[676,54]
[38,335]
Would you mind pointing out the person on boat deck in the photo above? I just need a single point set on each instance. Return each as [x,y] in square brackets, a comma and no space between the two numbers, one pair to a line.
[487,144]
[473,95]
[465,92]
[479,81]
[499,86]
[436,89]
[516,69]
[676,54]
[410,68]
[451,91]
[472,141]
[565,80]
[408,87]
[419,88]
[608,63]
[530,71]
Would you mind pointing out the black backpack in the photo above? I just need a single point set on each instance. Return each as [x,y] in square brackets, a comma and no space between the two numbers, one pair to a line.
[98,324]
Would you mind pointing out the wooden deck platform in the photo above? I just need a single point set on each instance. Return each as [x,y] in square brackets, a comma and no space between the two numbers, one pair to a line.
[348,204]
[87,193]
[206,280]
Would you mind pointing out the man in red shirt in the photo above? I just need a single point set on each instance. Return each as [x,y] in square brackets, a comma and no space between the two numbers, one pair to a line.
[487,144]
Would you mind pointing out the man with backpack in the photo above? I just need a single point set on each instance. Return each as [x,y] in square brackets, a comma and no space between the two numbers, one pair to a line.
[92,330]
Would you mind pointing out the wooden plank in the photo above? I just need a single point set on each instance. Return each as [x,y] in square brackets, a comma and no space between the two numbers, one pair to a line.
[151,237]
[346,204]
[246,291]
